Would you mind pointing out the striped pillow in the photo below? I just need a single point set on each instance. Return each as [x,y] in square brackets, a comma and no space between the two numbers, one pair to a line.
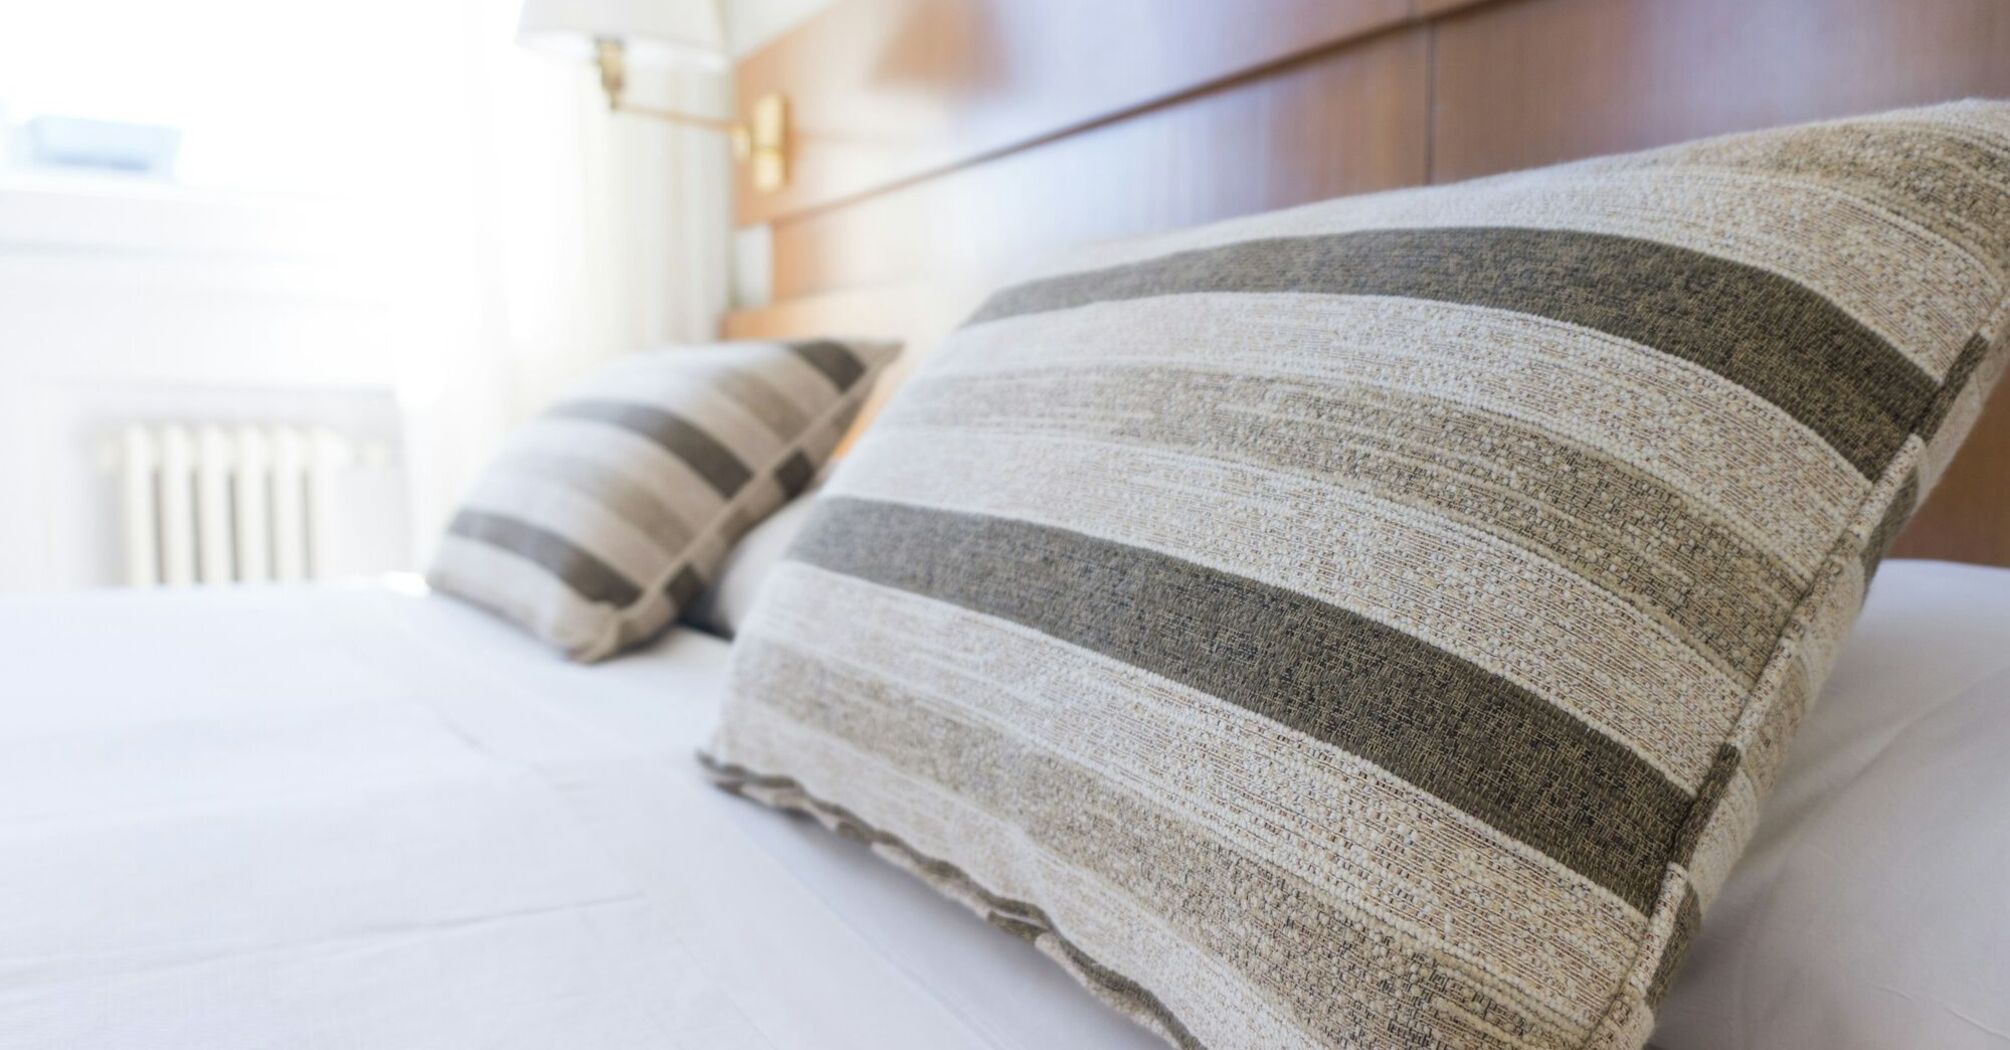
[1374,624]
[611,511]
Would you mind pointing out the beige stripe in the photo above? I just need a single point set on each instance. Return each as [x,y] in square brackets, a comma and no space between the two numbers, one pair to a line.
[796,379]
[1630,1021]
[750,386]
[1686,426]
[1512,613]
[635,502]
[1221,1004]
[1918,290]
[1596,516]
[1808,647]
[1987,119]
[822,440]
[1323,957]
[671,480]
[689,395]
[522,591]
[1265,921]
[810,388]
[1945,177]
[1724,837]
[1969,402]
[1348,827]
[805,388]
[583,522]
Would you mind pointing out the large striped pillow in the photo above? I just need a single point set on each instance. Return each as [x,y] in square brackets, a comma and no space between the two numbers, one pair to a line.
[611,511]
[1374,624]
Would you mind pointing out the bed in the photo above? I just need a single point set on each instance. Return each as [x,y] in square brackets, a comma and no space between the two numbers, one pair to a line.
[368,816]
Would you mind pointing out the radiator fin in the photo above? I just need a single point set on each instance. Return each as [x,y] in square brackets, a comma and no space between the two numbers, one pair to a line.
[219,504]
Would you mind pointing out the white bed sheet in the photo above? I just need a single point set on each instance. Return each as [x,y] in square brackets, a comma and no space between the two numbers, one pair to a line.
[357,818]
[353,818]
[1871,910]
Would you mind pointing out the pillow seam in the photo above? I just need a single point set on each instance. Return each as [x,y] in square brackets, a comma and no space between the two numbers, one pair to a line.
[1785,646]
[607,646]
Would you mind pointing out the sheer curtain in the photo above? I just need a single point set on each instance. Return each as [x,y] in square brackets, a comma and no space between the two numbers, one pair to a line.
[386,196]
[593,233]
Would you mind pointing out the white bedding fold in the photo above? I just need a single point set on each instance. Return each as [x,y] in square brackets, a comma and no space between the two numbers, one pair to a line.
[357,818]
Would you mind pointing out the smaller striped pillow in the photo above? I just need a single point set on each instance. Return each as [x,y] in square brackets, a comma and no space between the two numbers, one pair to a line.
[612,510]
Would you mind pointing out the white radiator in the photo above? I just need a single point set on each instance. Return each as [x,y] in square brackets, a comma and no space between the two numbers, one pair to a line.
[227,503]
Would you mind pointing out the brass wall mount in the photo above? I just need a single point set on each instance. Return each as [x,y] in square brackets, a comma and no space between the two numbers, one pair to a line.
[761,142]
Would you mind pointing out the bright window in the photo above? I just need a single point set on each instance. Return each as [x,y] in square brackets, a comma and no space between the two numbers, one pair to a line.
[361,97]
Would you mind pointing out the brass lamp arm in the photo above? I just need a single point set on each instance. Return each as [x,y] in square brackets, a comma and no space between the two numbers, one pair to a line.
[762,144]
[675,117]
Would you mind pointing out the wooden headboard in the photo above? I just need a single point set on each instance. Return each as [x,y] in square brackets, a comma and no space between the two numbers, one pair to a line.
[937,142]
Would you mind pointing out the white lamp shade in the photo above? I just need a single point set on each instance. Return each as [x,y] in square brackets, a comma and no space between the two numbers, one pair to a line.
[652,32]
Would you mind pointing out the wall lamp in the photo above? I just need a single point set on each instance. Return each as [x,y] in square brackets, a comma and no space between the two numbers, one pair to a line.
[617,34]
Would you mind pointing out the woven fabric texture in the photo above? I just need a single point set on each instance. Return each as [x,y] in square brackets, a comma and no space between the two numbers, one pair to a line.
[612,510]
[1375,623]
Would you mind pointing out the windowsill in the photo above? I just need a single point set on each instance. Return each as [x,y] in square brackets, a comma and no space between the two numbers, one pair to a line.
[88,212]
[105,230]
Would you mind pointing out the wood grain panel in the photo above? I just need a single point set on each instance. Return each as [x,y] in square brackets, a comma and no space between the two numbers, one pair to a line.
[945,141]
[1345,121]
[919,314]
[1967,518]
[1534,82]
[1435,8]
[883,91]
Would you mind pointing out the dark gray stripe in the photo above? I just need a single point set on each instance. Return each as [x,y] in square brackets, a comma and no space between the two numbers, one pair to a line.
[586,575]
[676,435]
[834,360]
[1758,329]
[1474,739]
[1709,794]
[795,474]
[1958,374]
[1652,545]
[683,588]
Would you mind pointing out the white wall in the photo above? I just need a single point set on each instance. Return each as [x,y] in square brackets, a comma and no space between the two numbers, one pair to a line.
[121,299]
[751,23]
[484,233]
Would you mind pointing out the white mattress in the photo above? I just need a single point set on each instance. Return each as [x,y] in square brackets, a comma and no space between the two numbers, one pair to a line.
[353,817]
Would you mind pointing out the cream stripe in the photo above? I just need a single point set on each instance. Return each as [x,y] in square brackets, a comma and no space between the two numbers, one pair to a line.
[1792,682]
[1650,545]
[701,403]
[1918,290]
[634,501]
[622,451]
[1350,828]
[811,389]
[1177,964]
[1501,607]
[784,369]
[1968,404]
[1692,429]
[583,522]
[1213,999]
[523,591]
[1724,838]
